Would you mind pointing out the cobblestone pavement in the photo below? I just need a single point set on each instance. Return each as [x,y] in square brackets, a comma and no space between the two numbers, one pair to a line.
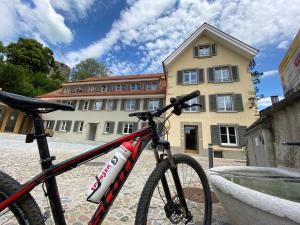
[20,160]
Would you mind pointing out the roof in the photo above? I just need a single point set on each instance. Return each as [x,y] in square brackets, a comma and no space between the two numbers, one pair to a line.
[214,33]
[117,78]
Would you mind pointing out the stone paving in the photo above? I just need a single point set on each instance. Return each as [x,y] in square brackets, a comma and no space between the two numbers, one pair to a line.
[20,160]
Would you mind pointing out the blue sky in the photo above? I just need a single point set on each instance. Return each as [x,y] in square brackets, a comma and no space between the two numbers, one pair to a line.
[134,36]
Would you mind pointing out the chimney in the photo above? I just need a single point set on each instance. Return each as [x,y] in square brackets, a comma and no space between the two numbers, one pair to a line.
[274,99]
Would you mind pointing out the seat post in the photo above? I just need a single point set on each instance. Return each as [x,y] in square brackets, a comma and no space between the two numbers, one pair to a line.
[46,163]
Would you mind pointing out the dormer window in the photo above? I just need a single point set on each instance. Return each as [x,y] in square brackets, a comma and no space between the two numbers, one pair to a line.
[205,50]
[79,89]
[151,86]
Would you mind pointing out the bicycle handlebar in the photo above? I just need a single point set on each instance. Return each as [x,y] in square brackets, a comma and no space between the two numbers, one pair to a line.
[177,103]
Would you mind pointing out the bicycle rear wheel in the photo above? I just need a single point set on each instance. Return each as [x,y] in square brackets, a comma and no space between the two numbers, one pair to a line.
[24,211]
[155,209]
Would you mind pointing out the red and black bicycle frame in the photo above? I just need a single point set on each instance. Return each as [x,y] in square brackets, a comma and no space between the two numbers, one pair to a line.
[141,137]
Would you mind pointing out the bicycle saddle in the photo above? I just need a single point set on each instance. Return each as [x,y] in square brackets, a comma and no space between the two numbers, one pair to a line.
[30,105]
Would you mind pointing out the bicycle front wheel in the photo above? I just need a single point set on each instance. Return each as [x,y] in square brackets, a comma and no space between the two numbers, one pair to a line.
[154,208]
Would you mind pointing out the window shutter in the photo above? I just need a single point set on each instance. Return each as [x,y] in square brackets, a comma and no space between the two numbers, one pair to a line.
[92,105]
[215,134]
[68,126]
[146,102]
[115,104]
[80,107]
[210,75]
[123,102]
[111,127]
[161,103]
[212,103]
[57,125]
[120,127]
[75,128]
[235,73]
[242,135]
[202,103]
[103,104]
[135,126]
[51,124]
[74,104]
[195,53]
[179,77]
[213,49]
[238,103]
[200,75]
[137,104]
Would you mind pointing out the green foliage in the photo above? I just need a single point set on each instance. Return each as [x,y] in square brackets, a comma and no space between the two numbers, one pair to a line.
[255,75]
[21,80]
[2,51]
[31,54]
[89,68]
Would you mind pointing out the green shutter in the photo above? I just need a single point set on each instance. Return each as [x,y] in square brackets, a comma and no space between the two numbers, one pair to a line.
[215,134]
[74,104]
[195,52]
[202,103]
[92,105]
[68,126]
[137,104]
[75,128]
[146,102]
[57,125]
[161,103]
[200,75]
[51,124]
[123,102]
[235,73]
[120,127]
[212,103]
[115,104]
[213,49]
[179,77]
[242,135]
[238,103]
[80,107]
[111,127]
[103,104]
[210,75]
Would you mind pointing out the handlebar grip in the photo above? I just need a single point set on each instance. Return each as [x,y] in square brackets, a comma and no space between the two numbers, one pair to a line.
[133,114]
[188,97]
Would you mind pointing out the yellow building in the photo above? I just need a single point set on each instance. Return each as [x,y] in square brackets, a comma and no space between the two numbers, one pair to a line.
[217,65]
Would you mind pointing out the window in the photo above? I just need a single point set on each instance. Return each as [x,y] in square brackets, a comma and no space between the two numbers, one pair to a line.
[110,104]
[107,127]
[136,86]
[153,104]
[79,89]
[98,105]
[151,86]
[69,102]
[85,105]
[228,135]
[191,102]
[66,90]
[127,128]
[118,87]
[224,103]
[47,124]
[130,104]
[190,77]
[204,51]
[80,126]
[222,74]
[63,126]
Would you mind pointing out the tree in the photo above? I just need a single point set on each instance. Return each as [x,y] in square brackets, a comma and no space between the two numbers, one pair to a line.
[89,68]
[31,54]
[255,78]
[2,51]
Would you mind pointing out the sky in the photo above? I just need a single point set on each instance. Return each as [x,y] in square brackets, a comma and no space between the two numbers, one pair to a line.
[135,36]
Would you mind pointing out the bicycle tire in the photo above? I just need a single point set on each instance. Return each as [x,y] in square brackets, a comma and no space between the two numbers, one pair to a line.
[25,209]
[155,177]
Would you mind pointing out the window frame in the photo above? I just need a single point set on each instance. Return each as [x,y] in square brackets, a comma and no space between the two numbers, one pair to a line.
[189,73]
[222,76]
[228,144]
[110,102]
[80,126]
[86,105]
[151,100]
[95,104]
[224,103]
[129,126]
[132,106]
[63,126]
[46,125]
[151,86]
[203,47]
[136,86]
[105,127]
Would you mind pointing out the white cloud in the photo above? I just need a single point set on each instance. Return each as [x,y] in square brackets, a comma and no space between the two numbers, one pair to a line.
[269,74]
[73,8]
[266,102]
[284,44]
[158,27]
[38,20]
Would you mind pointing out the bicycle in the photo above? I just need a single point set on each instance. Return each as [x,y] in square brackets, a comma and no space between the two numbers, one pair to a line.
[164,195]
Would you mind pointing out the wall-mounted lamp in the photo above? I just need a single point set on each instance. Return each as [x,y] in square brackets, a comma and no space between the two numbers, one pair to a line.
[252,101]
